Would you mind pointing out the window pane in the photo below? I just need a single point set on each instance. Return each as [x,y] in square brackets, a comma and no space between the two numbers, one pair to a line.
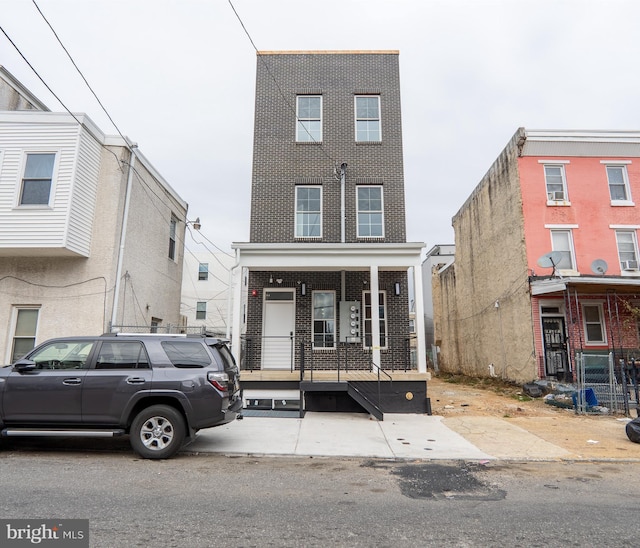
[367,107]
[22,347]
[35,192]
[594,332]
[309,131]
[39,166]
[26,322]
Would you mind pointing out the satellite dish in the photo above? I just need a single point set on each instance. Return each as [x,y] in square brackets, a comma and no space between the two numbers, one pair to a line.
[599,266]
[550,260]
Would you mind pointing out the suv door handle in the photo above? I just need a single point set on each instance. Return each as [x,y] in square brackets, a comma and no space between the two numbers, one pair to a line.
[136,380]
[72,381]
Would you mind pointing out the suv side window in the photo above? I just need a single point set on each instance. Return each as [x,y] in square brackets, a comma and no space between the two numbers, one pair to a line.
[62,355]
[186,353]
[122,355]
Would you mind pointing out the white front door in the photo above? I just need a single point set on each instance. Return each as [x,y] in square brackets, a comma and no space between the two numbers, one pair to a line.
[278,328]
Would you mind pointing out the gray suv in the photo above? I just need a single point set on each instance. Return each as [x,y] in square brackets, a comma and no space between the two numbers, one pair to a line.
[159,389]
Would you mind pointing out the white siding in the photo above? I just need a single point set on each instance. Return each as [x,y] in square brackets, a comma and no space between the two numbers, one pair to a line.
[65,226]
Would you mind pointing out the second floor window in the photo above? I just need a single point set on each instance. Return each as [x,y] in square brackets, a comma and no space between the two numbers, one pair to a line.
[368,118]
[172,237]
[308,212]
[36,183]
[309,118]
[627,250]
[618,183]
[201,310]
[556,184]
[370,212]
[203,271]
[562,241]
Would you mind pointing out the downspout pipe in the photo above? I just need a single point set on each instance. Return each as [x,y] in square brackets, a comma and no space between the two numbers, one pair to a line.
[123,236]
[343,207]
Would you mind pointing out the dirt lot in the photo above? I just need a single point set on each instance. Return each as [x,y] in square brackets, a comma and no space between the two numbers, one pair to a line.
[584,436]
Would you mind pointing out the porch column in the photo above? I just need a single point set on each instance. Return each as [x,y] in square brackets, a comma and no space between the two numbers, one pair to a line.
[236,339]
[375,317]
[418,307]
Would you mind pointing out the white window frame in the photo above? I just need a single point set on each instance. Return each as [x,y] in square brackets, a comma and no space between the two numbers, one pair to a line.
[14,325]
[622,165]
[627,266]
[557,230]
[173,230]
[369,212]
[52,180]
[377,119]
[203,272]
[305,134]
[556,197]
[201,311]
[600,322]
[324,320]
[366,318]
[306,214]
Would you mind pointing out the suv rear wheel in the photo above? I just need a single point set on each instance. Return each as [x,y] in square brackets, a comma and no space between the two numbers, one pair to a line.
[157,432]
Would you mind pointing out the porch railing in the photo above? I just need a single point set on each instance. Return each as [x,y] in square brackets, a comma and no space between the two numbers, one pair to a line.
[284,353]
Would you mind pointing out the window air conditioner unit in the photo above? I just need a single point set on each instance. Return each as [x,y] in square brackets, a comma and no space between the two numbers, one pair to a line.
[556,196]
[629,265]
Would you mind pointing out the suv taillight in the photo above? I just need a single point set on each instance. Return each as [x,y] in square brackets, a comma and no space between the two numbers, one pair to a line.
[219,380]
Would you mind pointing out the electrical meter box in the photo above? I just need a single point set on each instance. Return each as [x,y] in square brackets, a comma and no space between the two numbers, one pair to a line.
[350,321]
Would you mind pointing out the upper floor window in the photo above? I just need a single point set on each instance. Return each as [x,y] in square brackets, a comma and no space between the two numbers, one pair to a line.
[370,212]
[309,118]
[324,319]
[36,182]
[627,250]
[203,271]
[593,324]
[618,183]
[308,212]
[201,310]
[556,183]
[172,237]
[368,118]
[562,241]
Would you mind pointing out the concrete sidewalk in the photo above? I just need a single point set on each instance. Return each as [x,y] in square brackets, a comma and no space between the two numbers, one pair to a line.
[399,436]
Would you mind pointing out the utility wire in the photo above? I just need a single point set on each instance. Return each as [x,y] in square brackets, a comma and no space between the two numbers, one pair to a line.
[79,71]
[282,93]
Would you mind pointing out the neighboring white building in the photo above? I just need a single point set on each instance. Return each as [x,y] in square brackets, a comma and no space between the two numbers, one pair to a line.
[438,257]
[205,291]
[90,234]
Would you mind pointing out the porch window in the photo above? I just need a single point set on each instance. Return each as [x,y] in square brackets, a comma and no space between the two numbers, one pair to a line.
[308,212]
[382,313]
[324,319]
[593,324]
[370,212]
[562,241]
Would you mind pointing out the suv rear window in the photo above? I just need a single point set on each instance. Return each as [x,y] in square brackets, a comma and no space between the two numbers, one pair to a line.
[186,354]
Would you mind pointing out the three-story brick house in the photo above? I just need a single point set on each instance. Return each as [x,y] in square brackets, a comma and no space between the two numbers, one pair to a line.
[323,284]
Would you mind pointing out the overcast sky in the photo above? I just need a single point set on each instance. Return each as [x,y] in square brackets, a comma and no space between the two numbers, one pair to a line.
[178,78]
